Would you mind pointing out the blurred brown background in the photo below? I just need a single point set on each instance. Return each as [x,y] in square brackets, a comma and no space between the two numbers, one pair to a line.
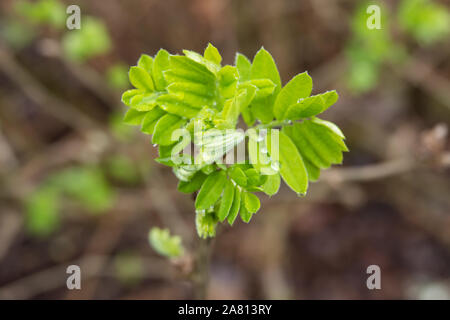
[387,205]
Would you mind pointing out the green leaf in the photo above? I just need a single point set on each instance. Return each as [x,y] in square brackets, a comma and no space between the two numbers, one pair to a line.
[238,176]
[311,106]
[150,119]
[271,186]
[251,202]
[194,184]
[212,54]
[211,190]
[228,77]
[164,128]
[165,244]
[319,142]
[191,70]
[134,117]
[227,201]
[128,95]
[243,66]
[299,87]
[292,168]
[140,79]
[145,102]
[160,64]
[177,106]
[146,62]
[235,206]
[232,108]
[264,67]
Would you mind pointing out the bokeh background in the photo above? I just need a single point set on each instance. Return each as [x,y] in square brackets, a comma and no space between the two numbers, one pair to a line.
[77,186]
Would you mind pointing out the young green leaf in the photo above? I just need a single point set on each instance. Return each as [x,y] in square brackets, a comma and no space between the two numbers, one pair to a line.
[134,117]
[164,243]
[211,190]
[194,184]
[272,184]
[238,176]
[146,62]
[164,128]
[160,64]
[235,206]
[212,54]
[141,79]
[251,202]
[243,66]
[311,106]
[227,201]
[299,87]
[151,119]
[264,67]
[292,168]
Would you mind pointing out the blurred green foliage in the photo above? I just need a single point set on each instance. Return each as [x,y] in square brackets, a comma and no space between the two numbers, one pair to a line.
[425,20]
[117,76]
[128,268]
[91,40]
[165,244]
[86,186]
[368,49]
[47,12]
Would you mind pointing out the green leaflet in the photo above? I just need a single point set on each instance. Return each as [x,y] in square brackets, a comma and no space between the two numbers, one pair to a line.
[212,54]
[311,106]
[192,185]
[243,66]
[264,67]
[292,168]
[299,87]
[319,142]
[232,108]
[238,176]
[235,206]
[251,202]
[160,64]
[164,128]
[271,186]
[150,119]
[190,69]
[226,201]
[144,102]
[228,77]
[258,153]
[128,95]
[176,105]
[141,79]
[146,62]
[134,117]
[211,190]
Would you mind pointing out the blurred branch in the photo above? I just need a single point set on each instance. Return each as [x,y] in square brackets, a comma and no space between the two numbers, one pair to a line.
[40,95]
[87,76]
[55,277]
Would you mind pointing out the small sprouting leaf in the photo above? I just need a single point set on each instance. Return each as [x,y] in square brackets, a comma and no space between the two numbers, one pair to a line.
[235,206]
[226,201]
[299,87]
[212,54]
[141,79]
[228,77]
[128,95]
[164,128]
[292,168]
[164,243]
[176,105]
[205,223]
[192,185]
[211,190]
[311,106]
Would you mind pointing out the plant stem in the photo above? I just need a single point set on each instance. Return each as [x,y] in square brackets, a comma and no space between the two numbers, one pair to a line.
[273,124]
[201,272]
